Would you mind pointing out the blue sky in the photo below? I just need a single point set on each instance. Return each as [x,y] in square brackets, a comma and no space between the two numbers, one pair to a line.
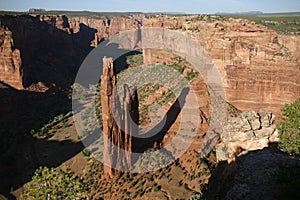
[187,6]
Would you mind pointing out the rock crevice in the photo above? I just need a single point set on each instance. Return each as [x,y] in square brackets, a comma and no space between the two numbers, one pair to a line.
[247,132]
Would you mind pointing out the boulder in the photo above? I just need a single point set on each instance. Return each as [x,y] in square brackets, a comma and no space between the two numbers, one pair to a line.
[247,132]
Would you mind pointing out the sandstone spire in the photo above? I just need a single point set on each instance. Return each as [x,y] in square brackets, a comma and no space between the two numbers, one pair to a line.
[10,60]
[119,121]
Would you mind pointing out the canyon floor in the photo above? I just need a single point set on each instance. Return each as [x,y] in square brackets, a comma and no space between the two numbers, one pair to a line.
[40,56]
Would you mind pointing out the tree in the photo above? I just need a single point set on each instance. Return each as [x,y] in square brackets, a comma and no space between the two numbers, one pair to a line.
[54,184]
[289,128]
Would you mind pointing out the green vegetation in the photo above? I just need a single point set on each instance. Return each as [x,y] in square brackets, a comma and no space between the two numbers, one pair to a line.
[155,160]
[181,65]
[136,59]
[152,93]
[89,14]
[91,110]
[208,18]
[198,196]
[283,24]
[87,117]
[51,124]
[191,75]
[192,18]
[289,128]
[54,184]
[95,15]
[80,93]
[12,13]
[85,153]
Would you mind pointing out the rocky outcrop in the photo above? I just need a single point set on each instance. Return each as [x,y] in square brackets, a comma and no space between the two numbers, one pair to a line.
[10,60]
[107,26]
[292,43]
[247,132]
[261,174]
[119,124]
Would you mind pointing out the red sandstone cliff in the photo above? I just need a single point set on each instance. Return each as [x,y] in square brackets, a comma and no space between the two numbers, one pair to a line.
[260,69]
[10,60]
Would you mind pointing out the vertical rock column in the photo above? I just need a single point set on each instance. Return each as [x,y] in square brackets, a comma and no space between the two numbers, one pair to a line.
[119,123]
[131,120]
[108,82]
[10,61]
[147,56]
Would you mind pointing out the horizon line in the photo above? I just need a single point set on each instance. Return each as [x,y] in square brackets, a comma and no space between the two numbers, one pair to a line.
[158,12]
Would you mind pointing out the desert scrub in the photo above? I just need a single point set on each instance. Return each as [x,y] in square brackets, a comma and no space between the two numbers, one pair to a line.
[54,184]
[85,153]
[289,128]
[51,124]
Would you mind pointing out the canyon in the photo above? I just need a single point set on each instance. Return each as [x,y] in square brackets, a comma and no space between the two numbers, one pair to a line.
[259,68]
[41,54]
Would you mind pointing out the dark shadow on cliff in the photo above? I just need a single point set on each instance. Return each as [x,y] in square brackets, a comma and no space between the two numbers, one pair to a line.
[121,63]
[49,55]
[21,153]
[260,174]
[157,133]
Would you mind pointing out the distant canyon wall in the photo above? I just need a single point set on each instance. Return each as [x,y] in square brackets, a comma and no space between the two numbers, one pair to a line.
[259,68]
[50,49]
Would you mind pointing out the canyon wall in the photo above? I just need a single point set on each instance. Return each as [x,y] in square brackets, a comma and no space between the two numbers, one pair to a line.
[48,55]
[50,49]
[259,68]
[292,43]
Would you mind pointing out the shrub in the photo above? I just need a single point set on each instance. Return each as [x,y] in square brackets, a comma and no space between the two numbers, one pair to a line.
[191,75]
[198,196]
[186,186]
[289,129]
[156,188]
[85,153]
[54,184]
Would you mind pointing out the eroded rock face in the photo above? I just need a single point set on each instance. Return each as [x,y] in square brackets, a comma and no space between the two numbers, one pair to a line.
[119,123]
[247,132]
[10,60]
[292,43]
[259,68]
[108,26]
[47,54]
[50,48]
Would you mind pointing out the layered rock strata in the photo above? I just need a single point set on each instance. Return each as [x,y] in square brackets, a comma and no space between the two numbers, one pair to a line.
[119,121]
[259,68]
[10,60]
